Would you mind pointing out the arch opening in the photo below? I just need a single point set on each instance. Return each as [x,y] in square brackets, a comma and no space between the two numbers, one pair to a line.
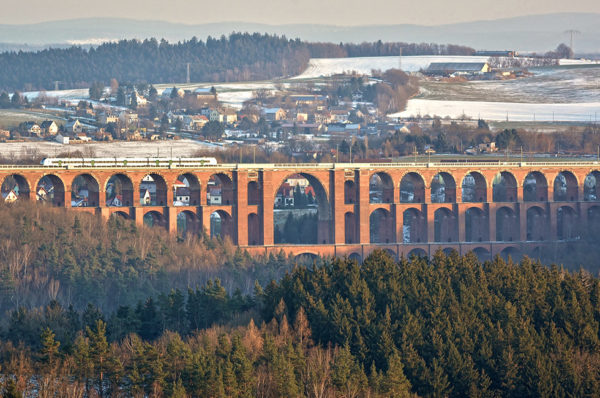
[84,191]
[565,187]
[511,252]
[507,225]
[254,232]
[186,190]
[504,187]
[15,187]
[350,228]
[566,223]
[50,189]
[381,188]
[443,188]
[253,193]
[417,253]
[414,226]
[482,254]
[535,187]
[350,192]
[188,224]
[591,186]
[445,226]
[154,219]
[474,188]
[221,225]
[153,190]
[219,190]
[381,226]
[302,212]
[119,191]
[593,223]
[355,257]
[412,188]
[476,225]
[536,224]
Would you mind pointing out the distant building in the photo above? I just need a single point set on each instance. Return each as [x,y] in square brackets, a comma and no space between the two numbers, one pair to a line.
[33,128]
[74,126]
[49,127]
[503,53]
[458,68]
[272,114]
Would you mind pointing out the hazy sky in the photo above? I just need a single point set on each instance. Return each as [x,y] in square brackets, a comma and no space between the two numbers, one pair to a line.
[334,12]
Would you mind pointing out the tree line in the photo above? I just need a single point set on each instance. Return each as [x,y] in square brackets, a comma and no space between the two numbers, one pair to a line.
[450,326]
[237,57]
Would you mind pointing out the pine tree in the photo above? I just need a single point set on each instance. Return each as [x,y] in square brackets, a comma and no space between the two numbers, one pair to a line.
[395,383]
[50,346]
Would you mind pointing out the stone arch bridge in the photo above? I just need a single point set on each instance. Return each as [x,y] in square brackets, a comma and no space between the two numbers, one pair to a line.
[489,207]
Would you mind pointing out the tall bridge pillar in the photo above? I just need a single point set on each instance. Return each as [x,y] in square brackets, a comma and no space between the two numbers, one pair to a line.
[363,207]
[268,201]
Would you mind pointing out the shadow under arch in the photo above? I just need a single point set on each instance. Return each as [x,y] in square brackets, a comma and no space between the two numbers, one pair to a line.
[443,188]
[474,187]
[381,188]
[504,187]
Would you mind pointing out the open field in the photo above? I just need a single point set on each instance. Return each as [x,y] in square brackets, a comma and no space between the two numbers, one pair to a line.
[11,118]
[140,149]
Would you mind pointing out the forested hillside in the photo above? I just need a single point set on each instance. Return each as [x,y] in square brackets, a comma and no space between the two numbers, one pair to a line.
[55,254]
[238,57]
[234,58]
[449,327]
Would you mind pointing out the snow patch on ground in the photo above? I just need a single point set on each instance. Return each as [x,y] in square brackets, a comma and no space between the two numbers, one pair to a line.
[501,111]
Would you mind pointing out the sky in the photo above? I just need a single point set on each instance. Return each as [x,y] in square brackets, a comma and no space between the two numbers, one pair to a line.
[278,12]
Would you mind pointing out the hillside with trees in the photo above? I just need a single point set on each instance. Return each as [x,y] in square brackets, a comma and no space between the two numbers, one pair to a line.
[451,326]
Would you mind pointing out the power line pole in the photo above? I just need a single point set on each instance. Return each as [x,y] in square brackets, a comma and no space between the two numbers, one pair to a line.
[572,32]
[187,80]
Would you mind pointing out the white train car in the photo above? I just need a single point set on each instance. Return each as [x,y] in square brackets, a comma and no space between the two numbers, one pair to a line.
[129,162]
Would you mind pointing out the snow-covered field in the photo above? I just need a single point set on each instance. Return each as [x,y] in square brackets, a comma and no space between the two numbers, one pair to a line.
[318,67]
[183,148]
[501,111]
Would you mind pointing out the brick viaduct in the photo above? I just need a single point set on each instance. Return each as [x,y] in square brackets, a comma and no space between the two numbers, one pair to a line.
[486,207]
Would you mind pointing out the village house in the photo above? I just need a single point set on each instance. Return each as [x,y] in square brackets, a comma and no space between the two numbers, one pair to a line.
[273,114]
[74,126]
[49,127]
[33,129]
[128,118]
[211,114]
[106,118]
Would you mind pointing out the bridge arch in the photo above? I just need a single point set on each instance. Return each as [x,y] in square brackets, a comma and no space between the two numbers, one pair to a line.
[15,187]
[186,190]
[566,223]
[507,225]
[154,218]
[85,191]
[537,224]
[350,228]
[591,187]
[153,190]
[381,226]
[565,187]
[443,188]
[121,215]
[593,221]
[476,225]
[315,222]
[253,193]
[188,224]
[511,252]
[474,187]
[220,190]
[355,257]
[504,187]
[412,188]
[381,188]
[414,226]
[445,225]
[350,192]
[50,189]
[417,253]
[482,254]
[119,191]
[254,231]
[221,225]
[535,187]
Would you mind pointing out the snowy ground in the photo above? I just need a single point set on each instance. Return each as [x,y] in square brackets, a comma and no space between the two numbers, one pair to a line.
[183,148]
[501,111]
[319,67]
